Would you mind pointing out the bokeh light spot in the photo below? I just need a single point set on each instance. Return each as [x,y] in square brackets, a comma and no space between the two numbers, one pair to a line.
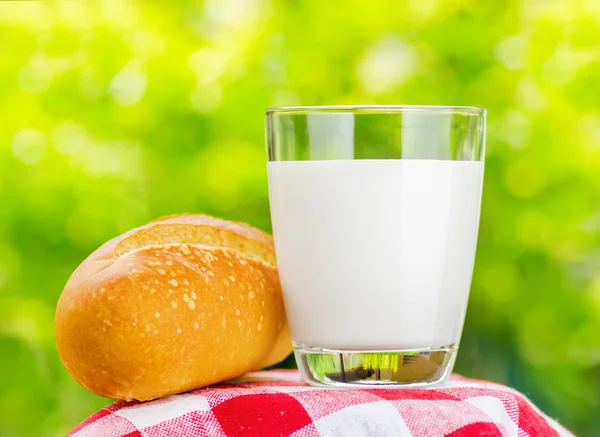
[29,146]
[69,137]
[128,86]
[589,130]
[35,77]
[515,128]
[386,65]
[207,64]
[512,51]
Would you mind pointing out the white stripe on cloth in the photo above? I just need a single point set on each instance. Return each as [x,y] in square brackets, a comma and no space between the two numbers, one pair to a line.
[494,408]
[374,419]
[162,410]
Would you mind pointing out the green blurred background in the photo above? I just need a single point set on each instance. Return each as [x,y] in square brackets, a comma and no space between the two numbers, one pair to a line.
[113,113]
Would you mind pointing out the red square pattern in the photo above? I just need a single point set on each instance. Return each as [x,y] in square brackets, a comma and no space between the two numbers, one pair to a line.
[398,394]
[531,422]
[275,414]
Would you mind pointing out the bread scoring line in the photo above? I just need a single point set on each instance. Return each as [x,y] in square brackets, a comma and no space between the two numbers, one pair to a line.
[195,245]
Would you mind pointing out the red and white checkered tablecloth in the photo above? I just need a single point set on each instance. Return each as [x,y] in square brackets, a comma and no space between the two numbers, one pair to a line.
[278,403]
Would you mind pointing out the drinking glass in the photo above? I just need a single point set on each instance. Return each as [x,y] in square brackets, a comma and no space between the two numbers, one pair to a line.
[375,213]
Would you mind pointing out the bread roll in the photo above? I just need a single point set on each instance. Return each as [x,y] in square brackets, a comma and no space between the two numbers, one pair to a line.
[178,304]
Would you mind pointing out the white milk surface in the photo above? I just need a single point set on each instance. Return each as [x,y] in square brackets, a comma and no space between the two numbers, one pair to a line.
[375,254]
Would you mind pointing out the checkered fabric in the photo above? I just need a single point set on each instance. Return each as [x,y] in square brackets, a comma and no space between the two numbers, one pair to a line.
[278,403]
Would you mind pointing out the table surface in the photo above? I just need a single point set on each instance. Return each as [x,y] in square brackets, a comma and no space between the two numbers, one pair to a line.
[279,403]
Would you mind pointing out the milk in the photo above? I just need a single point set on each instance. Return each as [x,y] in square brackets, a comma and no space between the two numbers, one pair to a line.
[375,254]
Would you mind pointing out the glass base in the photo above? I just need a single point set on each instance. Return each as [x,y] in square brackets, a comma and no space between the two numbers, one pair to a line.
[388,368]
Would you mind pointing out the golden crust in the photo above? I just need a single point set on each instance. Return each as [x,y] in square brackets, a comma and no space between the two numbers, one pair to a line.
[159,316]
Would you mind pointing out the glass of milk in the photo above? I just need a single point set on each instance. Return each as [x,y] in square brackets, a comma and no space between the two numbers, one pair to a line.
[375,213]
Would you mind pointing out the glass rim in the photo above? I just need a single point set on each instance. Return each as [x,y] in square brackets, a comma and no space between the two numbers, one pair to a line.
[376,109]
